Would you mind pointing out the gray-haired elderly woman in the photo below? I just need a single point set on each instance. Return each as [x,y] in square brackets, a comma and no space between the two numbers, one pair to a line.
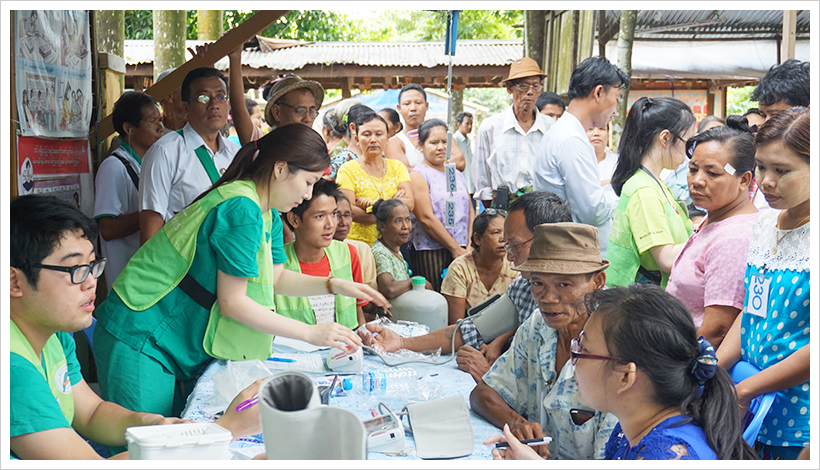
[394,225]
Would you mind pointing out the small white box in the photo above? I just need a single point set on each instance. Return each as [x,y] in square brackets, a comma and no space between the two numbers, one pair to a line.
[185,441]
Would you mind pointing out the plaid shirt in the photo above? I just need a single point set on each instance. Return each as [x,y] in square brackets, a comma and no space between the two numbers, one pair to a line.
[521,295]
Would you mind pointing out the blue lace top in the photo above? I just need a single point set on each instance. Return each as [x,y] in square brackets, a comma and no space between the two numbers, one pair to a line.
[675,438]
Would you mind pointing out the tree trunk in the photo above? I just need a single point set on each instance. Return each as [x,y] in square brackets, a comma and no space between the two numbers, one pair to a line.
[626,37]
[169,39]
[535,22]
[209,24]
[458,106]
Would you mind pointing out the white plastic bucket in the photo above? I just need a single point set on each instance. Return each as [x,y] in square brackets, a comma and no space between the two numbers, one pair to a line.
[185,441]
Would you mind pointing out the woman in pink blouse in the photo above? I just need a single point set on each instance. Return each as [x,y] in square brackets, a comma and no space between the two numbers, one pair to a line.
[708,274]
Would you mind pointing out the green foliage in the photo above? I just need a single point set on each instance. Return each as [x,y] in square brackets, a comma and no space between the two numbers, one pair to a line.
[739,100]
[497,99]
[431,25]
[139,24]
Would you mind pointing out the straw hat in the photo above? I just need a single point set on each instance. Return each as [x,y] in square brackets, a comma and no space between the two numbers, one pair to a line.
[287,83]
[523,68]
[564,248]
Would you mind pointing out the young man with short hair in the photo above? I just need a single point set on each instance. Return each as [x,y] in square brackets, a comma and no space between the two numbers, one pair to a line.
[316,253]
[404,146]
[784,86]
[464,121]
[54,273]
[183,164]
[566,163]
[550,104]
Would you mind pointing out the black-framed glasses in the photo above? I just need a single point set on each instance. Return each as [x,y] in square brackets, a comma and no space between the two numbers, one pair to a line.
[525,87]
[690,147]
[576,348]
[510,248]
[579,416]
[79,273]
[301,111]
[218,99]
[492,211]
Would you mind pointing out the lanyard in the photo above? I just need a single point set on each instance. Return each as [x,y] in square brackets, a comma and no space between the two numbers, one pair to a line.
[666,196]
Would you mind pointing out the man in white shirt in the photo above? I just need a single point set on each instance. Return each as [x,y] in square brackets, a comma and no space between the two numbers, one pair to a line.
[507,142]
[464,121]
[137,119]
[183,164]
[566,163]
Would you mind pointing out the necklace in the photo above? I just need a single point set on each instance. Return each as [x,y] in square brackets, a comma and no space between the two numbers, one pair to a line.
[779,239]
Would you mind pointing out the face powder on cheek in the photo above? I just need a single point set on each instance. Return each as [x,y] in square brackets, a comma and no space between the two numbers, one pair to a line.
[795,187]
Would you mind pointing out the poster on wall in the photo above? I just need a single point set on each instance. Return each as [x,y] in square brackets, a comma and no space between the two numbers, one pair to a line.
[53,60]
[48,166]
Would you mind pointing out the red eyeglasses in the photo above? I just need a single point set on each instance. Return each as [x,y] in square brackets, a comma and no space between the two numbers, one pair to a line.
[575,352]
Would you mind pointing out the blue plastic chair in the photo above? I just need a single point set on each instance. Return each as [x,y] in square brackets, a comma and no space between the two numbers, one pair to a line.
[758,408]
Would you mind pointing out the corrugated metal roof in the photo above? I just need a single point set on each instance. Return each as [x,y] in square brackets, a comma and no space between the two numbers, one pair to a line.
[379,54]
[713,24]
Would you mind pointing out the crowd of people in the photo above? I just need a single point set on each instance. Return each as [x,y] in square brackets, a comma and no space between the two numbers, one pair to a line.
[637,278]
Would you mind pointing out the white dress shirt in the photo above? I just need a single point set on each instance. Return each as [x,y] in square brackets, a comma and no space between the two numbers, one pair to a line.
[172,175]
[566,165]
[505,154]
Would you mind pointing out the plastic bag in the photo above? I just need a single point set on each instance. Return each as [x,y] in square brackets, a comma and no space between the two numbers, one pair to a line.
[238,376]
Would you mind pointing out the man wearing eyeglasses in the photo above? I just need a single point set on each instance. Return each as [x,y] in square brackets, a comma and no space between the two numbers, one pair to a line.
[506,143]
[475,355]
[292,100]
[532,387]
[54,272]
[183,164]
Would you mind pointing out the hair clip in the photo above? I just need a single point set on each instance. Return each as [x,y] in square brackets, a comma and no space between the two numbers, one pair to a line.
[647,104]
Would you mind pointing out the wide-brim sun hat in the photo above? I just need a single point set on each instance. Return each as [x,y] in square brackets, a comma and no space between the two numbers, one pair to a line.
[288,83]
[564,248]
[523,68]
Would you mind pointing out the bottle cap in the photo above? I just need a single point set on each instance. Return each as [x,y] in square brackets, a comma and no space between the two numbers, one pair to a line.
[347,384]
[418,280]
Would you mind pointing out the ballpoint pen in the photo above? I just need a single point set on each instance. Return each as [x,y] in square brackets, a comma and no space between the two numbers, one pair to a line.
[530,442]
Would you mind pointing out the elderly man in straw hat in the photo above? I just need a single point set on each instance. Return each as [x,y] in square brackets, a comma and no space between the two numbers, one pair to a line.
[506,143]
[291,99]
[532,387]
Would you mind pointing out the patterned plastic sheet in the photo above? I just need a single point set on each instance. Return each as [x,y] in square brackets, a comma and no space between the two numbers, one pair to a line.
[204,404]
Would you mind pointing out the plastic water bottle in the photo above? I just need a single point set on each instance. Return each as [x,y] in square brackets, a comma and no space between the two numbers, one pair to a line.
[397,381]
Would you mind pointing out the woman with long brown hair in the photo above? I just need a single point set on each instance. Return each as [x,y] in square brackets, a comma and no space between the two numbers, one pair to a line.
[203,286]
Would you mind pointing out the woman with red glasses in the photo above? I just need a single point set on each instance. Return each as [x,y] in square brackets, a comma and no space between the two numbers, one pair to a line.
[638,358]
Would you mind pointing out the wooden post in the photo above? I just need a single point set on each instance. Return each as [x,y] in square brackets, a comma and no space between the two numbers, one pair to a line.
[228,42]
[110,29]
[534,25]
[345,83]
[789,35]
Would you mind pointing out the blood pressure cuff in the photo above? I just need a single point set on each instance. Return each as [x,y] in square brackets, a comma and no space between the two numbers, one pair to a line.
[441,428]
[494,317]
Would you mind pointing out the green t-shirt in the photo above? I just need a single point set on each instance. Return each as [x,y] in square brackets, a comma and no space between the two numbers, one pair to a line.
[386,262]
[644,218]
[32,405]
[172,330]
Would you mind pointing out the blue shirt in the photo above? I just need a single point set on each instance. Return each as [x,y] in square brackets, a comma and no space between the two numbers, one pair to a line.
[765,341]
[669,440]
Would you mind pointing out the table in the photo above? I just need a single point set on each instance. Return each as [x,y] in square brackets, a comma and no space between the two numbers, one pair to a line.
[451,380]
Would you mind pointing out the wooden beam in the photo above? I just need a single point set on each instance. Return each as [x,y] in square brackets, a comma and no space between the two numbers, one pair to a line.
[789,35]
[228,42]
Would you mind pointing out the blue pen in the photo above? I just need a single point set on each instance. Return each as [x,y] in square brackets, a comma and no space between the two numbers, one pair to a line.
[280,359]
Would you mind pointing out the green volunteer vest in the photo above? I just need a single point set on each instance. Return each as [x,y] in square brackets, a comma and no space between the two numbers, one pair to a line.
[622,251]
[141,284]
[298,308]
[53,367]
